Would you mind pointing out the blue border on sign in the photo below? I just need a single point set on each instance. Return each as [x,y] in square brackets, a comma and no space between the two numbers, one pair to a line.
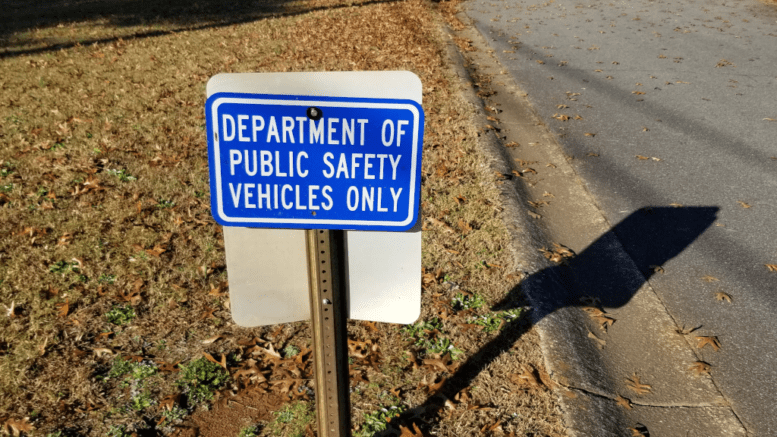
[217,197]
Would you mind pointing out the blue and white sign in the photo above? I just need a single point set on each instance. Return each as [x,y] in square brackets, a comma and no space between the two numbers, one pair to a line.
[279,161]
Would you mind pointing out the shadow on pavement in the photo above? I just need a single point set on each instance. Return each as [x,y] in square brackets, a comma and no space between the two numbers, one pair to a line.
[601,273]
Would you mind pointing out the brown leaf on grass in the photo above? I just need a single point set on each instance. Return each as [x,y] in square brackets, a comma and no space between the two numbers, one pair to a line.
[222,363]
[100,351]
[218,290]
[211,339]
[168,367]
[415,432]
[496,427]
[700,368]
[465,227]
[63,308]
[207,313]
[64,240]
[623,402]
[771,267]
[435,363]
[16,427]
[722,295]
[157,250]
[708,340]
[636,386]
[527,378]
[370,326]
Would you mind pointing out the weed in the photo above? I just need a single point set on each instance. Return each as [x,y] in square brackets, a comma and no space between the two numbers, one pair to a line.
[378,420]
[174,415]
[489,322]
[249,431]
[122,175]
[494,321]
[416,330]
[163,204]
[141,401]
[465,302]
[135,376]
[7,188]
[290,351]
[200,378]
[6,169]
[292,420]
[106,279]
[118,431]
[441,346]
[64,267]
[120,315]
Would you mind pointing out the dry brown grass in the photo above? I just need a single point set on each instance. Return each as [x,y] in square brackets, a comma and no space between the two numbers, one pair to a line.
[105,202]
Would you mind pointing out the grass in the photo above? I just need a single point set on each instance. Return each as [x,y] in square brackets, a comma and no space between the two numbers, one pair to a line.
[200,379]
[110,254]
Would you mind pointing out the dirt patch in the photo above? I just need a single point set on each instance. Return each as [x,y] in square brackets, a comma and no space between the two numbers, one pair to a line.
[113,273]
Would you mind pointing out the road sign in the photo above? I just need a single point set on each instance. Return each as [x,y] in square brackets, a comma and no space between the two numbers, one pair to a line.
[267,268]
[314,162]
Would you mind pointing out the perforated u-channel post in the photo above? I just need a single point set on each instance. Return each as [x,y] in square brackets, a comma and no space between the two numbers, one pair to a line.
[326,265]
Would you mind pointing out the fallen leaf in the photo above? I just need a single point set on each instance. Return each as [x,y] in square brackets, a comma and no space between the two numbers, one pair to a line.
[63,308]
[100,351]
[639,93]
[708,340]
[406,432]
[744,204]
[643,158]
[657,269]
[526,378]
[722,295]
[700,367]
[561,117]
[636,386]
[512,144]
[676,205]
[589,134]
[222,363]
[17,426]
[207,313]
[771,267]
[623,402]
[211,339]
[639,431]
[709,278]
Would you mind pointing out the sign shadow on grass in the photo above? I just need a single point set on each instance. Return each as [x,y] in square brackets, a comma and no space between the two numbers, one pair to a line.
[602,273]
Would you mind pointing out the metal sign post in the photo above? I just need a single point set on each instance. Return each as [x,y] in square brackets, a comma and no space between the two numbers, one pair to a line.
[327,308]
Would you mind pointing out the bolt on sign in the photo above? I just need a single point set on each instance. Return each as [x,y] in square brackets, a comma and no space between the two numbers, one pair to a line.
[321,150]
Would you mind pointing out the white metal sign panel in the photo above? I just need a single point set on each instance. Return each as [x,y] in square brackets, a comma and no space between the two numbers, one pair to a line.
[267,268]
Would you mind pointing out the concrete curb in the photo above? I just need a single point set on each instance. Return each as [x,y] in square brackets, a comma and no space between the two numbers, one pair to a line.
[587,412]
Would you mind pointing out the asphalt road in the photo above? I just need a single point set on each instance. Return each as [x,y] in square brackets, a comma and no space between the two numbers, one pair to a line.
[670,104]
